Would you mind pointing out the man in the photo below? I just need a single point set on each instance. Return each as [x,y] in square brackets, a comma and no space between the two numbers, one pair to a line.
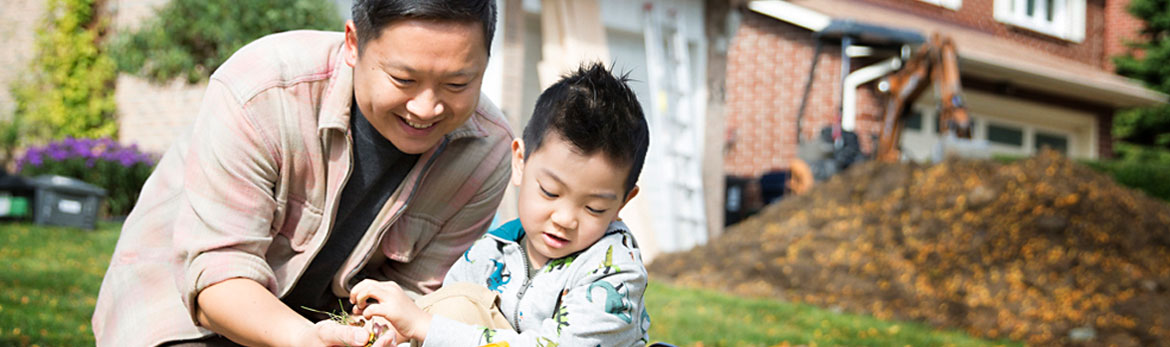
[317,160]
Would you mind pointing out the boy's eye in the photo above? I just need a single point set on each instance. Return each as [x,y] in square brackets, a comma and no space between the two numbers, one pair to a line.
[457,86]
[546,193]
[595,211]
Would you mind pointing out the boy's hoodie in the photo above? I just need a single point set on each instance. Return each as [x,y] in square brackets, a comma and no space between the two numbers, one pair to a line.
[590,298]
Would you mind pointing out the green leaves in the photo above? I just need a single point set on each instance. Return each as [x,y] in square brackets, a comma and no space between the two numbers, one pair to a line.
[189,39]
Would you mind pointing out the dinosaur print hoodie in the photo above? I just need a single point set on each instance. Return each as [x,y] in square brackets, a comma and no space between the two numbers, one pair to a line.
[589,298]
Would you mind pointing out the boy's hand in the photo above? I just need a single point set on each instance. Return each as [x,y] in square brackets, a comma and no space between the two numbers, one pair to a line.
[386,335]
[387,300]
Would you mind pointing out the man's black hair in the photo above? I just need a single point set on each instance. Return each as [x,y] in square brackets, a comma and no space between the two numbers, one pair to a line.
[594,111]
[371,16]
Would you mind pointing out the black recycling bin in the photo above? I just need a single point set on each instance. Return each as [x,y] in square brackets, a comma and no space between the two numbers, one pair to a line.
[66,201]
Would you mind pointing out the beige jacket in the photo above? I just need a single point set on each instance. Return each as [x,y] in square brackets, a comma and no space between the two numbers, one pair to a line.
[252,191]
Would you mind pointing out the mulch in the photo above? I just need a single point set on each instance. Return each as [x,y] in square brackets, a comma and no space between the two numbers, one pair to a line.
[1042,250]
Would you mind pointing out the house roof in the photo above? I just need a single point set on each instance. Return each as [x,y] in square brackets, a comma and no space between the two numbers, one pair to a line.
[980,54]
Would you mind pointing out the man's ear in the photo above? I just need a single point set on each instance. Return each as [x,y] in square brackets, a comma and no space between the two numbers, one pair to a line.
[517,161]
[351,44]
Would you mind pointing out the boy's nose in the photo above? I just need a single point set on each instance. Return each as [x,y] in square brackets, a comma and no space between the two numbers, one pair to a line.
[564,219]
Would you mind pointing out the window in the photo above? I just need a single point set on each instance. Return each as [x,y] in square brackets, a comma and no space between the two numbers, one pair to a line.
[1056,142]
[1061,18]
[1005,135]
[951,4]
[913,120]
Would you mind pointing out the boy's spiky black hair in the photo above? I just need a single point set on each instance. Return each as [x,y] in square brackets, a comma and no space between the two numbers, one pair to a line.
[595,111]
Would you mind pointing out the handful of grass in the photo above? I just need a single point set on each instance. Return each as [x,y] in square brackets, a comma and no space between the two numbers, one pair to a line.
[344,318]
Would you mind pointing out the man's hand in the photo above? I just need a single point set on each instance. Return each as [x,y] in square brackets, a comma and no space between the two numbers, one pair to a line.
[247,313]
[330,333]
[372,299]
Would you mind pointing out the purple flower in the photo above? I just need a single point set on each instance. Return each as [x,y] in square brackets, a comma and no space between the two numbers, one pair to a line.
[91,150]
[126,158]
[58,154]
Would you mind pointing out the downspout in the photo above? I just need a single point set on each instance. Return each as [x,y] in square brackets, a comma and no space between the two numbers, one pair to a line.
[846,42]
[857,78]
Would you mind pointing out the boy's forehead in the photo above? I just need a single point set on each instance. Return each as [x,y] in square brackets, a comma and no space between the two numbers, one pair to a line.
[564,162]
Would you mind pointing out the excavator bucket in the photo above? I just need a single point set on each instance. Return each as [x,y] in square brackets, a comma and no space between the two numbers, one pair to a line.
[953,146]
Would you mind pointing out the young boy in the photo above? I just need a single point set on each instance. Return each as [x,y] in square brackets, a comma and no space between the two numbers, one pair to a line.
[568,272]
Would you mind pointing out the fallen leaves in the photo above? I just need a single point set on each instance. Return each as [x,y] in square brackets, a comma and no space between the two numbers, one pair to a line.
[1030,250]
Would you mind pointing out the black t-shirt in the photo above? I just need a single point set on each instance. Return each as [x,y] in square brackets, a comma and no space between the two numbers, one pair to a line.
[378,168]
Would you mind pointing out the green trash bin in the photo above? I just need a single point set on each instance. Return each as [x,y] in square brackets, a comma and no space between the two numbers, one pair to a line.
[16,195]
[13,206]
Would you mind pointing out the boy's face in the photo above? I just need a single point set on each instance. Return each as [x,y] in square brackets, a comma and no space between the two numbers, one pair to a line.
[566,199]
[418,80]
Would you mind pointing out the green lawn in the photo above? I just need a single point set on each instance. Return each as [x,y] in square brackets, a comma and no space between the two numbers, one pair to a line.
[49,280]
[49,283]
[692,317]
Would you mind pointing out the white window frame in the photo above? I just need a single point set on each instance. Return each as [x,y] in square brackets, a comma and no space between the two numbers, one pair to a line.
[1068,17]
[951,4]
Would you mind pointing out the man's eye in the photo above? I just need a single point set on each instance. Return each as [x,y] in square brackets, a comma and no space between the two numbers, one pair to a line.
[457,86]
[595,211]
[401,80]
[546,193]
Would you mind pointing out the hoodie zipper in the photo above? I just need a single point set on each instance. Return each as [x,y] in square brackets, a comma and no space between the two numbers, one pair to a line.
[527,282]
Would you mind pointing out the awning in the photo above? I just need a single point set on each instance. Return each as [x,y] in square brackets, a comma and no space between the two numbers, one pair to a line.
[980,54]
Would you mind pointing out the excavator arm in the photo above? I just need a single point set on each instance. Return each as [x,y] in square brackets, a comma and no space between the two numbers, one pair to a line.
[935,62]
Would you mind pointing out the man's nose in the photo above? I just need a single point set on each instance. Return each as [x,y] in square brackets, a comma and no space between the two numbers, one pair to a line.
[425,105]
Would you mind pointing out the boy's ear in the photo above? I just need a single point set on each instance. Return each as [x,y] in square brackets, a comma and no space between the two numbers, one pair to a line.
[630,196]
[351,49]
[517,161]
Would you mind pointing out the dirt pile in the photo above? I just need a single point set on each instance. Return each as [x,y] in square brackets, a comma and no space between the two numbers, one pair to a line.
[1042,250]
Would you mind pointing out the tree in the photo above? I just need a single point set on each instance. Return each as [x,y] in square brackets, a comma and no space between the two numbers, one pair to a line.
[70,86]
[1147,61]
[191,38]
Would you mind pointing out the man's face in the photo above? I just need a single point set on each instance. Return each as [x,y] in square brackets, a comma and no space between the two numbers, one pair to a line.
[566,199]
[419,79]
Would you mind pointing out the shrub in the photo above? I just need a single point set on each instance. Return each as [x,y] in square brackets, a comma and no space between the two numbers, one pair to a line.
[121,170]
[191,38]
[70,89]
[1150,177]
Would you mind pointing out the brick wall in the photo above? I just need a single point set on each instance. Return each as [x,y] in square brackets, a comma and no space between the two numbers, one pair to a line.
[19,20]
[980,15]
[1119,27]
[768,64]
